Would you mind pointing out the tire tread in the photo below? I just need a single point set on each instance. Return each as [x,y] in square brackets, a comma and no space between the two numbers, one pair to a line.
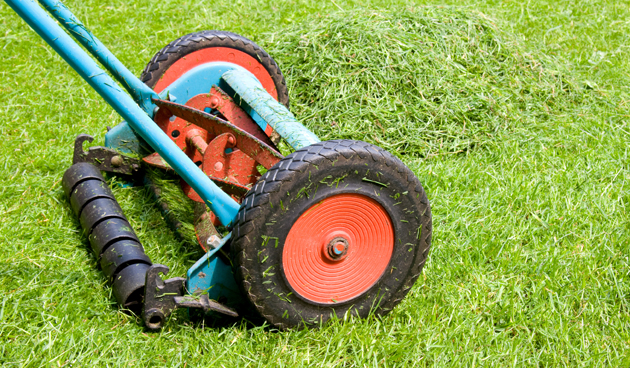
[271,182]
[191,42]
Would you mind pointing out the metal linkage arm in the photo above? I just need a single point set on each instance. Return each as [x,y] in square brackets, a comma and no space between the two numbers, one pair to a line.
[162,297]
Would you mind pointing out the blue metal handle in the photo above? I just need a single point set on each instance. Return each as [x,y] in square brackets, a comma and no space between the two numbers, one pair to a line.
[220,203]
[140,92]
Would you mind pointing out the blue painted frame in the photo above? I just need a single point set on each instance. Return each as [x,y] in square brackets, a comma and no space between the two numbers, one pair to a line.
[221,203]
[210,274]
[138,90]
[269,110]
[196,81]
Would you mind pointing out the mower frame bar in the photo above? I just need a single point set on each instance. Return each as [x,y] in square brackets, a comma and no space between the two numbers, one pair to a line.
[219,202]
[140,92]
[270,110]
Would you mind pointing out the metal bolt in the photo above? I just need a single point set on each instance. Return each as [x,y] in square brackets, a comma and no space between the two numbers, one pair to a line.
[231,140]
[339,248]
[218,166]
[116,161]
[213,241]
[214,102]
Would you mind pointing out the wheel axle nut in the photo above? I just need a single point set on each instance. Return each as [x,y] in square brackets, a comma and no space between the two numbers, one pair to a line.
[337,249]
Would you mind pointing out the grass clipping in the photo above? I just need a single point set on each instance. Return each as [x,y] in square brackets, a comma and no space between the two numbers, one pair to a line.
[416,83]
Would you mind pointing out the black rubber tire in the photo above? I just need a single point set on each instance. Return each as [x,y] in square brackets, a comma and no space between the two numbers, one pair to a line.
[204,39]
[362,166]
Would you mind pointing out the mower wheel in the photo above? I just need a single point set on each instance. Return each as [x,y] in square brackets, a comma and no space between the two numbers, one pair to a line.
[336,227]
[193,49]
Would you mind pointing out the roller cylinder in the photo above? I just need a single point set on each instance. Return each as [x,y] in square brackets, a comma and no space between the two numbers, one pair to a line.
[128,285]
[113,240]
[87,191]
[99,210]
[110,231]
[78,173]
[122,254]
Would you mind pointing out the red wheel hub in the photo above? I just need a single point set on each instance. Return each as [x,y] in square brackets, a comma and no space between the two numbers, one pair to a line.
[338,248]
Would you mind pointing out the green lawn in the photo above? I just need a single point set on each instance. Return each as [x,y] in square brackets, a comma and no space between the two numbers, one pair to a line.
[514,115]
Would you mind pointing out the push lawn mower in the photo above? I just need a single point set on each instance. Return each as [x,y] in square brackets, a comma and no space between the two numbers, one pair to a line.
[334,227]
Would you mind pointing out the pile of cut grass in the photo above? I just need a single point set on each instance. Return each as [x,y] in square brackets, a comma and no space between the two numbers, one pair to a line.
[416,82]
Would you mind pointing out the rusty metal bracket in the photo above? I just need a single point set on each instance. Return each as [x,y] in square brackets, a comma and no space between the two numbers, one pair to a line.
[104,158]
[162,297]
[159,296]
[204,303]
[246,142]
[220,101]
[204,227]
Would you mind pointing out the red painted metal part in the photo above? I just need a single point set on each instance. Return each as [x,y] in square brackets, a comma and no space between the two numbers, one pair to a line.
[235,172]
[220,101]
[194,59]
[226,152]
[233,167]
[361,232]
[214,126]
[156,160]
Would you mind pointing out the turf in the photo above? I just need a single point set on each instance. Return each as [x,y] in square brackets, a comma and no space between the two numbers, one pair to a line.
[513,115]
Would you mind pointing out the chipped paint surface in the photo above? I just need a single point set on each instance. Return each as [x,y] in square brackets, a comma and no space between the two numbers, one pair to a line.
[270,110]
[223,103]
[140,92]
[227,152]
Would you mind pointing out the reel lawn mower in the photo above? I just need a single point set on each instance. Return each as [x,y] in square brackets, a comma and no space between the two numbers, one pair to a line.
[334,227]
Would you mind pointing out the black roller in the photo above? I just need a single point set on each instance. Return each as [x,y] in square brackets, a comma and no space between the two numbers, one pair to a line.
[121,255]
[87,191]
[98,210]
[113,240]
[109,231]
[129,285]
[78,173]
